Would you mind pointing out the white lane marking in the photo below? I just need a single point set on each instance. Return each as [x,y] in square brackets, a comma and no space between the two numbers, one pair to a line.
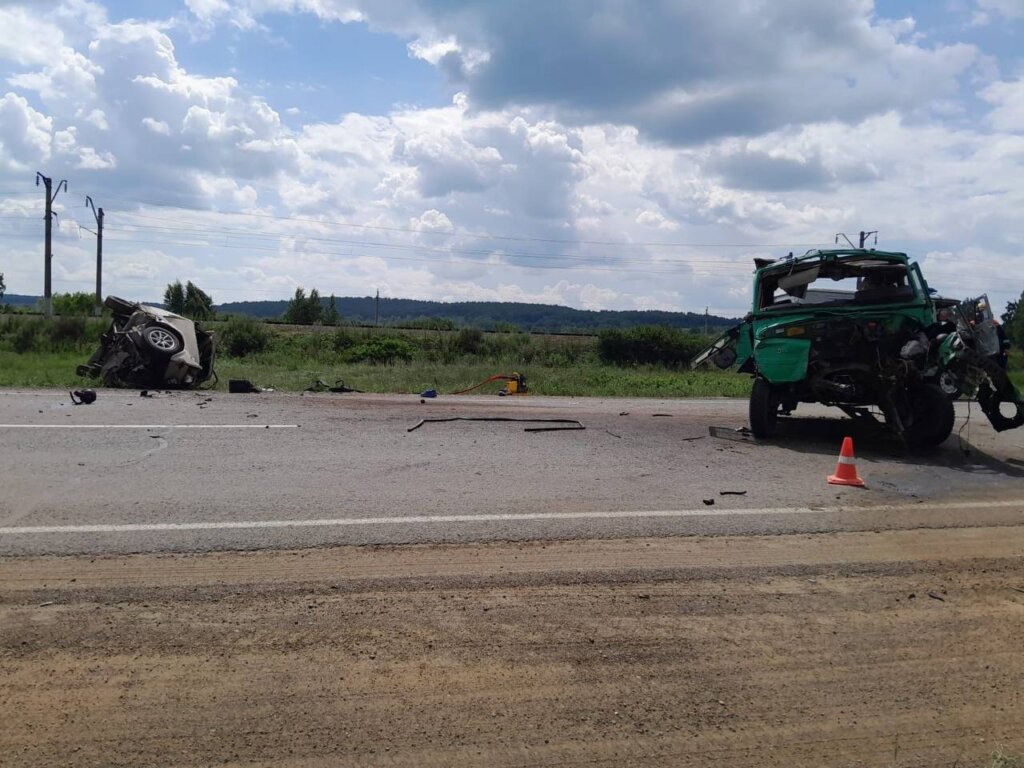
[493,518]
[149,426]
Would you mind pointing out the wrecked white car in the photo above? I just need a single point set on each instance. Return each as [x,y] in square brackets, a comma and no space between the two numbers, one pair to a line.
[150,347]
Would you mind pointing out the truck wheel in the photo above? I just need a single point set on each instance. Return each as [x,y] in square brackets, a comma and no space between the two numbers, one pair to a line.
[162,340]
[764,408]
[932,416]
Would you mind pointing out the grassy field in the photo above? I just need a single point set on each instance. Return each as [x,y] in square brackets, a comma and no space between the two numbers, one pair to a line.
[39,354]
[57,369]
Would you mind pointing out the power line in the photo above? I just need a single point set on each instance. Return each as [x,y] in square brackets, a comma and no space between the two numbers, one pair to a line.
[410,230]
[402,246]
[392,257]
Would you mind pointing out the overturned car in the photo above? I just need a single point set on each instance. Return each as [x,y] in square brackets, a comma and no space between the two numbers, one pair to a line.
[859,329]
[150,347]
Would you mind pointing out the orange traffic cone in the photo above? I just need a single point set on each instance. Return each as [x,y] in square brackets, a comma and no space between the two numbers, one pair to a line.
[846,468]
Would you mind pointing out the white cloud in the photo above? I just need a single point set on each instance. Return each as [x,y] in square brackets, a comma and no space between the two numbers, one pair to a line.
[1010,9]
[1007,100]
[157,126]
[25,134]
[27,39]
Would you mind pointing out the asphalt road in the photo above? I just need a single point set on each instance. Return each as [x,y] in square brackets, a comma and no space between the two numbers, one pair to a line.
[205,471]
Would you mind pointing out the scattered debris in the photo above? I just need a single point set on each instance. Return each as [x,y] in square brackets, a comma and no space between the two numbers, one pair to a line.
[515,384]
[428,393]
[732,493]
[708,502]
[242,387]
[739,434]
[690,439]
[1017,589]
[83,396]
[613,434]
[666,415]
[936,596]
[322,386]
[145,393]
[48,602]
[623,413]
[578,424]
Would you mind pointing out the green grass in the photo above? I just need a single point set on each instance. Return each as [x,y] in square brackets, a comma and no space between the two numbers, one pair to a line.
[41,369]
[57,369]
[587,379]
[1002,760]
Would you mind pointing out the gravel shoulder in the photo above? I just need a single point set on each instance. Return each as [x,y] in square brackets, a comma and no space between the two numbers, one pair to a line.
[888,648]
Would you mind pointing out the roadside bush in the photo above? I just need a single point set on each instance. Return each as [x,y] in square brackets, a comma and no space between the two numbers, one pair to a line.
[468,341]
[430,324]
[382,350]
[66,332]
[241,336]
[24,336]
[648,345]
[342,340]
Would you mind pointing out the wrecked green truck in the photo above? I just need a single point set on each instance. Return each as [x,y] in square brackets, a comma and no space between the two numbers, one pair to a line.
[860,330]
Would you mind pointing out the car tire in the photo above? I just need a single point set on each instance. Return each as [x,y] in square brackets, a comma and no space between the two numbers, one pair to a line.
[161,340]
[933,417]
[764,408]
[119,306]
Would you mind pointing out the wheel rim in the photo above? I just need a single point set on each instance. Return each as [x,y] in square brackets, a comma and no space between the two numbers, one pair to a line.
[161,339]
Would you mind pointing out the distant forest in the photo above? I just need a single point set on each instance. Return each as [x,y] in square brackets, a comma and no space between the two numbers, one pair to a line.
[486,315]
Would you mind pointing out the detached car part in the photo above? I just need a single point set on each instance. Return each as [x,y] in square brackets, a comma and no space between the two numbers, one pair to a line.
[150,347]
[857,329]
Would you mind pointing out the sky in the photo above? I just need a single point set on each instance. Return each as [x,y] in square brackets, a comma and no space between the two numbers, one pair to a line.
[601,154]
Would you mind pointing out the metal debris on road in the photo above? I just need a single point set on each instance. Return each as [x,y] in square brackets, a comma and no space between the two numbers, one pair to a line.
[578,424]
[732,493]
[83,396]
[739,434]
[242,387]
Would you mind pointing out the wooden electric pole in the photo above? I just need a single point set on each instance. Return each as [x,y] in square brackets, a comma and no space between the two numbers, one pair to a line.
[51,195]
[98,214]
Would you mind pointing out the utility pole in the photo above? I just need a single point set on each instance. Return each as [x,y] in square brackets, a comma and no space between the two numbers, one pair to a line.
[865,235]
[705,321]
[51,195]
[376,309]
[98,214]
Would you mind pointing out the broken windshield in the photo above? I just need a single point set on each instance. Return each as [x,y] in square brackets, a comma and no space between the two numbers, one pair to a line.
[835,283]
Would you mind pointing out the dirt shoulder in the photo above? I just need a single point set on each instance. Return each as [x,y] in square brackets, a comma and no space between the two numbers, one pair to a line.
[892,648]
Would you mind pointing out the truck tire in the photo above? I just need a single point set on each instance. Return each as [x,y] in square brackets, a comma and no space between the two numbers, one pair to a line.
[932,416]
[764,408]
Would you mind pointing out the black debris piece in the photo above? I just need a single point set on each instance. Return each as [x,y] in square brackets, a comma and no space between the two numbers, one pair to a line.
[567,422]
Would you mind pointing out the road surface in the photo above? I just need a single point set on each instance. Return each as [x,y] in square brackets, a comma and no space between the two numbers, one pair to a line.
[192,472]
[184,581]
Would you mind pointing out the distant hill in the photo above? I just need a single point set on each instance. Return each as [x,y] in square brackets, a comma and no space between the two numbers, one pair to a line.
[19,300]
[487,314]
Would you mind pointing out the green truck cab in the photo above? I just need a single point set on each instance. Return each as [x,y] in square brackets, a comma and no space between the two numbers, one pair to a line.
[859,329]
